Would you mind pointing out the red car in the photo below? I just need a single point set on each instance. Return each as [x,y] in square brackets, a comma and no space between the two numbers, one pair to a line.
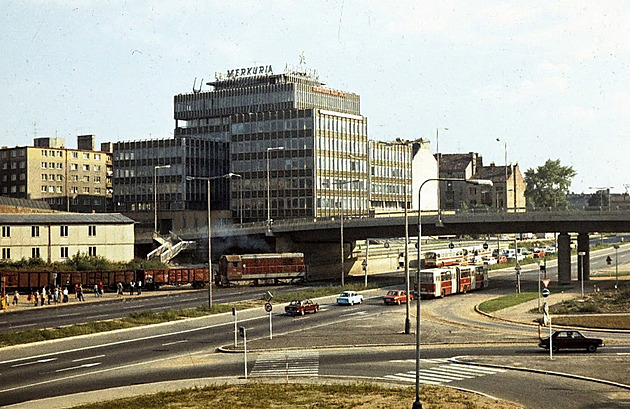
[396,297]
[300,307]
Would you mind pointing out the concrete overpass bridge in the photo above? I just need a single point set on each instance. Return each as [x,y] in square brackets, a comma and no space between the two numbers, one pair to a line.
[320,238]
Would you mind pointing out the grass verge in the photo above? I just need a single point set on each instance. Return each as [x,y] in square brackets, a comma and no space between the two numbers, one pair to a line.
[594,321]
[296,396]
[147,318]
[506,301]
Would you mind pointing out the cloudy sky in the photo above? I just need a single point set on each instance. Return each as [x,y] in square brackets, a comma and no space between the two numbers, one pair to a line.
[549,78]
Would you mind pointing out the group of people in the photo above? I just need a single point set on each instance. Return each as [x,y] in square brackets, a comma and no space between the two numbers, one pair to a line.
[133,286]
[50,294]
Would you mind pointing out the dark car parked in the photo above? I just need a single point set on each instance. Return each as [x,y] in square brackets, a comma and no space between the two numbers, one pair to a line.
[571,340]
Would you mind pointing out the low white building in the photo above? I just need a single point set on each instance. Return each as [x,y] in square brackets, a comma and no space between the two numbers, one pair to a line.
[59,236]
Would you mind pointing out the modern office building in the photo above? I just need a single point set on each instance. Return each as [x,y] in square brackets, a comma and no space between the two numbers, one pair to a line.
[300,147]
[76,180]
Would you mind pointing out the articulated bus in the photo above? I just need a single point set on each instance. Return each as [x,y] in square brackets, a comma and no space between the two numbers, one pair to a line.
[456,256]
[438,282]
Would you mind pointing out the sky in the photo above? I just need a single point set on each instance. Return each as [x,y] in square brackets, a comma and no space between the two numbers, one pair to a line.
[550,79]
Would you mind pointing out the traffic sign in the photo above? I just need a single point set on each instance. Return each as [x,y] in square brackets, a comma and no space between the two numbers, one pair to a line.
[268,296]
[451,245]
[364,263]
[545,292]
[545,282]
[268,307]
[485,246]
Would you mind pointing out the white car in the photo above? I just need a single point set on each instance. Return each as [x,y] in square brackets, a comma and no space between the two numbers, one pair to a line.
[349,298]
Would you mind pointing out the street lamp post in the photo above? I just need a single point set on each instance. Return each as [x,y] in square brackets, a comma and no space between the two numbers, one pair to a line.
[343,184]
[437,151]
[155,207]
[616,246]
[275,148]
[482,182]
[208,179]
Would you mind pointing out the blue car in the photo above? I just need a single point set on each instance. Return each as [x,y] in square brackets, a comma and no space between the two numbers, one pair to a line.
[349,298]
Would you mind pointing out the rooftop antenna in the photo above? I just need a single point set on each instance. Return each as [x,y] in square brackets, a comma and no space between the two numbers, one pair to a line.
[197,90]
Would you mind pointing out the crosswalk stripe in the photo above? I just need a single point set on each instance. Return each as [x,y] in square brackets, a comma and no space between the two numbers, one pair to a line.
[448,372]
[301,363]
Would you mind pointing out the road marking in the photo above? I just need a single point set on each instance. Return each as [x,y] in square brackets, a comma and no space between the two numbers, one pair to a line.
[34,362]
[23,325]
[290,363]
[175,342]
[623,353]
[354,313]
[69,315]
[447,372]
[88,358]
[96,316]
[78,367]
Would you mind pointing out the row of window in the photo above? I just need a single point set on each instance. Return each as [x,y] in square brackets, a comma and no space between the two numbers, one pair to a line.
[35,252]
[73,189]
[63,231]
[73,166]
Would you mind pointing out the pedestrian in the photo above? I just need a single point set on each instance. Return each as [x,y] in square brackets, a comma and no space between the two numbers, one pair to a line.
[139,287]
[80,293]
[132,285]
[76,290]
[16,298]
[42,297]
[56,295]
[96,293]
[49,294]
[119,288]
[36,298]
[65,294]
[100,288]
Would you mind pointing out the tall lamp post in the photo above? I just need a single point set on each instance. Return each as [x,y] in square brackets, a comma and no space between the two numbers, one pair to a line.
[616,246]
[437,151]
[155,207]
[481,182]
[275,148]
[208,179]
[343,184]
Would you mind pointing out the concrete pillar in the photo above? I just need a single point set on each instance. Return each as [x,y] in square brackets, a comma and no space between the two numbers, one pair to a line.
[583,245]
[564,258]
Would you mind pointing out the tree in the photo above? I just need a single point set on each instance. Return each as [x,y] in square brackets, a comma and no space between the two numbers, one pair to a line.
[548,185]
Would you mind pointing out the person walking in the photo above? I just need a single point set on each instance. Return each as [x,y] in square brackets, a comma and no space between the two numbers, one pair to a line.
[42,296]
[119,288]
[139,287]
[16,298]
[65,294]
[36,298]
[100,288]
[96,293]
[56,295]
[49,295]
[132,285]
[80,293]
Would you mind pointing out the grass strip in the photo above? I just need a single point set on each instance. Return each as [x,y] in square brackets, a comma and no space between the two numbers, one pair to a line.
[297,396]
[136,319]
[594,321]
[506,301]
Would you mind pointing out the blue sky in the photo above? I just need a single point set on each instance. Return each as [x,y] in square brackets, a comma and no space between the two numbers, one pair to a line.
[549,78]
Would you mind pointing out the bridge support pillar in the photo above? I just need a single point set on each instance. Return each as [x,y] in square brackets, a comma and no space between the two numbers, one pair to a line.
[564,258]
[583,245]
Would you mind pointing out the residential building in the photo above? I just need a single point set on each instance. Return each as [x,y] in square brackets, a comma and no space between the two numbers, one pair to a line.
[56,237]
[77,180]
[507,192]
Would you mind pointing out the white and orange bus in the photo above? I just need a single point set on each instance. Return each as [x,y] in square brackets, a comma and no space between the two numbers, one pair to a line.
[438,282]
[444,257]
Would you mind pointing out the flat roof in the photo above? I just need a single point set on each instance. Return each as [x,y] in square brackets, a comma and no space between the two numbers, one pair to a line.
[64,218]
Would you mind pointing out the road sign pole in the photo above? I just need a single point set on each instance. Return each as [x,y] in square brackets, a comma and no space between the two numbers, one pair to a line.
[235,327]
[270,330]
[550,340]
[245,350]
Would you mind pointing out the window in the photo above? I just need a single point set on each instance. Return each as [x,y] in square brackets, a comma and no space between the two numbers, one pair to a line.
[64,252]
[44,176]
[97,156]
[86,167]
[86,156]
[97,179]
[92,230]
[44,165]
[6,231]
[75,155]
[34,231]
[92,250]
[35,252]
[86,178]
[6,253]
[44,153]
[63,231]
[86,190]
[74,166]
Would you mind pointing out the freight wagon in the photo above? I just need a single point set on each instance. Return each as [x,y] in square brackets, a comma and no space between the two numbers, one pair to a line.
[198,277]
[260,268]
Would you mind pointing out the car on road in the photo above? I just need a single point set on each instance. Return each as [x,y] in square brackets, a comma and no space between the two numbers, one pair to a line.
[301,307]
[396,297]
[537,252]
[550,250]
[569,339]
[349,298]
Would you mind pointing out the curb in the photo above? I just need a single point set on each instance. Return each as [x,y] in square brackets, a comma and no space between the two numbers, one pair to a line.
[540,371]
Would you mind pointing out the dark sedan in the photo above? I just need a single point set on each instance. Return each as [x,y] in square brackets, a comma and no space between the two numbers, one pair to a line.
[571,340]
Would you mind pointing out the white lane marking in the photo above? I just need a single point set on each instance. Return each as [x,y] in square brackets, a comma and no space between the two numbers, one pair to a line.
[354,313]
[88,358]
[175,342]
[78,367]
[482,369]
[285,364]
[69,315]
[623,353]
[23,325]
[410,378]
[34,362]
[97,316]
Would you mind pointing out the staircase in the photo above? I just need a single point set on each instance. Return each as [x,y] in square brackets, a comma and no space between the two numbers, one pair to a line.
[170,247]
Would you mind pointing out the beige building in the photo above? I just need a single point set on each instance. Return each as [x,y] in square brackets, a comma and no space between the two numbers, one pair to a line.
[56,237]
[507,192]
[78,180]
